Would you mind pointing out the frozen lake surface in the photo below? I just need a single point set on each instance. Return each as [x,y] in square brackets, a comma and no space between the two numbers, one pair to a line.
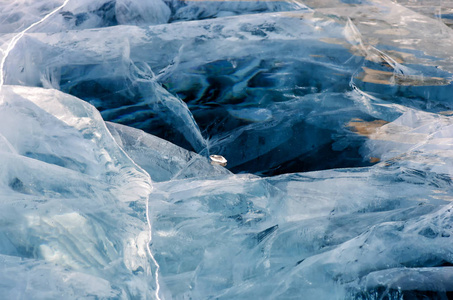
[335,118]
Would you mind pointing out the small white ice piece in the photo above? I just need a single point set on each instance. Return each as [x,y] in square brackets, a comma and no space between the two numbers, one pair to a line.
[218,160]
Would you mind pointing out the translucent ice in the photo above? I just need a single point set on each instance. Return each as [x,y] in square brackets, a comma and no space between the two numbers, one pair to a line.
[161,159]
[335,118]
[196,10]
[65,185]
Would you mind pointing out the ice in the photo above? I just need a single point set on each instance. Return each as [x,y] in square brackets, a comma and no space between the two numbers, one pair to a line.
[85,14]
[334,117]
[65,184]
[185,63]
[141,12]
[295,234]
[40,280]
[82,71]
[197,10]
[422,279]
[162,160]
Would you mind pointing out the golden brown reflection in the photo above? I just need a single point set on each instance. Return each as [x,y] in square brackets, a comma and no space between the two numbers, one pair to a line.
[365,128]
[391,78]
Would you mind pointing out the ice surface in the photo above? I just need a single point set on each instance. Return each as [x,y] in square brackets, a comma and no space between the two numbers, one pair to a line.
[197,10]
[123,93]
[162,160]
[335,118]
[65,186]
[188,59]
[290,235]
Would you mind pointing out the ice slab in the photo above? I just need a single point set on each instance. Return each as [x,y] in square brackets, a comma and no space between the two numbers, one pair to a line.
[65,186]
[162,160]
[198,10]
[320,234]
[79,15]
[16,15]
